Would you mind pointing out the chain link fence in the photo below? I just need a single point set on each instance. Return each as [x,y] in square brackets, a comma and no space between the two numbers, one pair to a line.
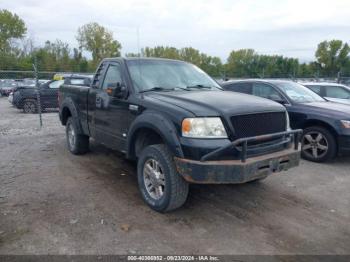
[36,91]
[32,92]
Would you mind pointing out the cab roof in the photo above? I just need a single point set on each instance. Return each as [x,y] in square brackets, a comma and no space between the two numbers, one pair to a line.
[141,58]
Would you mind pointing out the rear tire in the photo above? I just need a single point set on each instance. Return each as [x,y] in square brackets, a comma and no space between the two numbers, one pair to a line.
[161,186]
[30,106]
[318,144]
[78,144]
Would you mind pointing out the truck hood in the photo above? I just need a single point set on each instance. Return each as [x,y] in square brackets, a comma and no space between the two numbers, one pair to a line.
[214,103]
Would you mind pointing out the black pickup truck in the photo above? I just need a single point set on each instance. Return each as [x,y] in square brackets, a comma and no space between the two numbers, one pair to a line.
[179,126]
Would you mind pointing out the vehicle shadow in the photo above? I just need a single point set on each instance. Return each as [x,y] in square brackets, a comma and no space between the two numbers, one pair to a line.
[266,214]
[238,200]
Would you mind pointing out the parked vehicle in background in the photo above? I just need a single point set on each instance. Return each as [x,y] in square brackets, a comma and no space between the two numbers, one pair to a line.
[78,80]
[43,81]
[326,124]
[330,91]
[27,82]
[345,81]
[10,98]
[179,125]
[7,86]
[25,97]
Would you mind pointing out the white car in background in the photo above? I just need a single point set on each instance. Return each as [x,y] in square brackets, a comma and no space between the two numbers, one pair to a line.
[331,91]
[10,98]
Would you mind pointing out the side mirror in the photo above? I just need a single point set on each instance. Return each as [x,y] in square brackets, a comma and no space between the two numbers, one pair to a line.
[277,99]
[117,90]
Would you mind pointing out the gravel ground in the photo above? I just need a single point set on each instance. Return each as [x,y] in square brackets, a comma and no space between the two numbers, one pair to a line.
[52,202]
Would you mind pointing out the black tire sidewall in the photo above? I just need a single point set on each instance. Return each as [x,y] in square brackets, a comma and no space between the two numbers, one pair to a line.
[332,145]
[162,203]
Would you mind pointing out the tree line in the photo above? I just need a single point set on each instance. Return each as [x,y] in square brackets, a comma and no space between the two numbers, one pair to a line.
[18,52]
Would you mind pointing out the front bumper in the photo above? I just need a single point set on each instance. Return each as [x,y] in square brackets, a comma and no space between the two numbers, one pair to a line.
[243,170]
[236,171]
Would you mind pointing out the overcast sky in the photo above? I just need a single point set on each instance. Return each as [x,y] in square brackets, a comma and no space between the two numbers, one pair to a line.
[288,27]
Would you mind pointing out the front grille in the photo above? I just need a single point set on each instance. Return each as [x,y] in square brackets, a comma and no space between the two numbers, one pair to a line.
[258,124]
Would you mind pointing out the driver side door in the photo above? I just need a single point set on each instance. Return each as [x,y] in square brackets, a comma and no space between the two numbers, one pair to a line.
[49,94]
[112,115]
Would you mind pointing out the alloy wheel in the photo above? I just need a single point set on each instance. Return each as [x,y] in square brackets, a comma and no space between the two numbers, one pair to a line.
[29,107]
[71,136]
[154,179]
[315,144]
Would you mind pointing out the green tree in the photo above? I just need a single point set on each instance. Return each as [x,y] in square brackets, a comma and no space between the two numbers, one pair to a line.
[242,63]
[248,63]
[162,52]
[79,63]
[191,55]
[11,27]
[99,41]
[332,56]
[54,56]
[212,65]
[132,54]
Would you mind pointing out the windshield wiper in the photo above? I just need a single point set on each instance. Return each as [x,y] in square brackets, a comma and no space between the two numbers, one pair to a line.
[200,86]
[157,88]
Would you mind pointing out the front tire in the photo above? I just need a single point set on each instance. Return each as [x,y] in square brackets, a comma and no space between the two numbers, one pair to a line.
[162,188]
[318,144]
[78,144]
[30,106]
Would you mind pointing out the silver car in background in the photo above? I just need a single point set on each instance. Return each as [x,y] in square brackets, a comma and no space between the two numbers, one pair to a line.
[331,91]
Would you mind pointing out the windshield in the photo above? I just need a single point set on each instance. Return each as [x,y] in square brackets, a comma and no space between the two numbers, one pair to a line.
[27,82]
[172,75]
[7,83]
[298,93]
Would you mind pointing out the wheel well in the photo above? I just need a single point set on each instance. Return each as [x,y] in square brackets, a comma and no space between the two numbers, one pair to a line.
[321,124]
[142,138]
[65,115]
[27,99]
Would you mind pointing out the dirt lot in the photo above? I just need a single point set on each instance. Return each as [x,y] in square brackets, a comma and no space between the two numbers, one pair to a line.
[54,202]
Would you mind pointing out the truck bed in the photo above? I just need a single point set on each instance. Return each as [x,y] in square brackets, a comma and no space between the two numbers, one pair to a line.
[79,96]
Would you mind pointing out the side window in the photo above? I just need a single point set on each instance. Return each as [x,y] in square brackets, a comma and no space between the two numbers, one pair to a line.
[337,92]
[316,89]
[98,75]
[266,91]
[77,81]
[56,84]
[113,75]
[245,88]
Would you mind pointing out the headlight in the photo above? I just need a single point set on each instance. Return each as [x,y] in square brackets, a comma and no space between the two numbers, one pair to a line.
[203,127]
[288,122]
[346,123]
